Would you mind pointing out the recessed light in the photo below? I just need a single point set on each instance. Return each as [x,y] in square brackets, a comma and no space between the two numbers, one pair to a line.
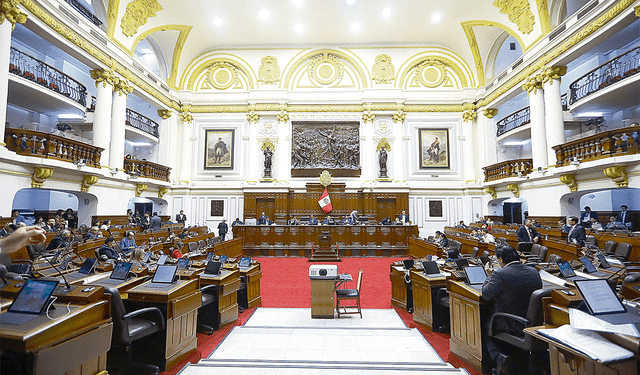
[386,12]
[264,14]
[297,3]
[436,17]
[299,28]
[70,116]
[355,26]
[589,114]
[351,2]
[217,21]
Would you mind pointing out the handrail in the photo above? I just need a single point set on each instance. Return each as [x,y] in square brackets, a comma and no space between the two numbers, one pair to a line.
[27,66]
[142,122]
[84,11]
[513,121]
[617,142]
[45,145]
[506,169]
[614,70]
[146,169]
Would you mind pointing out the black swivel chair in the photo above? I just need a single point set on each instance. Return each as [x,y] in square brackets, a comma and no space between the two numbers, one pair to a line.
[538,254]
[623,250]
[208,316]
[520,340]
[132,326]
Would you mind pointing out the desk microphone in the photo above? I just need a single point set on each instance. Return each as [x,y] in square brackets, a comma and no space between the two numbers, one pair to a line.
[67,288]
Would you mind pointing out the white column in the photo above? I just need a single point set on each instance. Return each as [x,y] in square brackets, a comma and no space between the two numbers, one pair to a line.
[254,162]
[398,152]
[283,152]
[469,151]
[538,131]
[5,52]
[102,119]
[368,154]
[167,142]
[187,151]
[485,137]
[554,120]
[118,118]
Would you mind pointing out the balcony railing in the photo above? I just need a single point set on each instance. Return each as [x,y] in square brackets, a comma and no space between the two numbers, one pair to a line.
[146,169]
[29,67]
[506,169]
[513,121]
[617,142]
[141,122]
[84,11]
[51,146]
[563,100]
[612,71]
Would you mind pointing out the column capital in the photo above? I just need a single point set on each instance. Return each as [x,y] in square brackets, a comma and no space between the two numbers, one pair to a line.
[490,112]
[550,73]
[399,117]
[9,11]
[164,113]
[104,76]
[185,114]
[122,86]
[469,115]
[532,84]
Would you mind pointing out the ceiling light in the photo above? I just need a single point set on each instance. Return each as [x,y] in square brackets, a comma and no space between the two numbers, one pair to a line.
[436,17]
[297,3]
[140,144]
[70,116]
[351,2]
[515,143]
[217,21]
[264,14]
[386,12]
[355,26]
[589,114]
[299,28]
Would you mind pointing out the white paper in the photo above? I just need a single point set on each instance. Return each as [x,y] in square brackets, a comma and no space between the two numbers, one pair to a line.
[546,276]
[582,320]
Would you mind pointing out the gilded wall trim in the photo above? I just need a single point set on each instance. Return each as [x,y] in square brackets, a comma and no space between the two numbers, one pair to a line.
[411,65]
[518,12]
[112,17]
[306,59]
[9,11]
[40,175]
[381,107]
[543,16]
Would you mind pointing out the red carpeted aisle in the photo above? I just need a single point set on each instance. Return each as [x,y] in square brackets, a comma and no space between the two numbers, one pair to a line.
[285,283]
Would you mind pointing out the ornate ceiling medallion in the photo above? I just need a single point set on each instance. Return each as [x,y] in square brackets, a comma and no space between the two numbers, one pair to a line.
[519,12]
[222,75]
[325,69]
[137,14]
[431,73]
[383,70]
[269,72]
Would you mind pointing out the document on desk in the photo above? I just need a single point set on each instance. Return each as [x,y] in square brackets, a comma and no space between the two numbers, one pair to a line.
[546,276]
[583,320]
[588,342]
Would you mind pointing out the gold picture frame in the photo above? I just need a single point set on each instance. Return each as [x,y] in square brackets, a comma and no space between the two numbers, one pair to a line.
[219,148]
[434,148]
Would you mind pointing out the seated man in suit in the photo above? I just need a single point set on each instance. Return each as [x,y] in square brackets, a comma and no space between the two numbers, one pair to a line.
[577,234]
[625,217]
[128,244]
[346,220]
[294,221]
[313,220]
[51,226]
[585,217]
[61,240]
[263,219]
[94,234]
[328,221]
[387,221]
[441,239]
[510,287]
[527,232]
[107,249]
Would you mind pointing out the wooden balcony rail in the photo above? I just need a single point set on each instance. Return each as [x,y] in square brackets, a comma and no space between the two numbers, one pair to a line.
[146,169]
[513,121]
[617,142]
[506,169]
[50,146]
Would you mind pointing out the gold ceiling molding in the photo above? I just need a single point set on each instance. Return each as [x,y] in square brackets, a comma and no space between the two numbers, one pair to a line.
[222,75]
[570,181]
[123,87]
[87,182]
[137,14]
[325,65]
[253,117]
[368,117]
[112,17]
[9,11]
[40,175]
[637,9]
[399,117]
[224,70]
[543,16]
[490,112]
[269,71]
[618,174]
[383,70]
[518,12]
[473,43]
[282,117]
[319,108]
[177,50]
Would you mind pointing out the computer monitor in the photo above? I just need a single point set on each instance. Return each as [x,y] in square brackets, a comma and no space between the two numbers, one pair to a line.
[34,296]
[599,297]
[121,271]
[250,222]
[430,268]
[213,268]
[588,266]
[146,258]
[163,259]
[225,259]
[461,264]
[407,264]
[475,275]
[244,262]
[565,269]
[164,274]
[87,266]
[183,263]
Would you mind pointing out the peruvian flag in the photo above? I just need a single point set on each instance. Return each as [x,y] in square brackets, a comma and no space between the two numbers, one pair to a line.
[325,201]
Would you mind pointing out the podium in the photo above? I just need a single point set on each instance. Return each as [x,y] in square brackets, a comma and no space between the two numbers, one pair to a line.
[322,298]
[324,252]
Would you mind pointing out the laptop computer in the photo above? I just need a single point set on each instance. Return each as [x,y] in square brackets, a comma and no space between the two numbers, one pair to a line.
[475,275]
[162,260]
[245,262]
[430,268]
[212,269]
[407,264]
[225,259]
[210,256]
[567,272]
[31,301]
[602,302]
[591,269]
[183,263]
[146,258]
[85,269]
[164,274]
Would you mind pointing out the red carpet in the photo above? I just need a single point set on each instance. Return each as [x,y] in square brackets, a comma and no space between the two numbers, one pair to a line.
[285,283]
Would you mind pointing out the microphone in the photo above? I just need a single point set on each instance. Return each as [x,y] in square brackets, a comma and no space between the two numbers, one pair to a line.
[67,288]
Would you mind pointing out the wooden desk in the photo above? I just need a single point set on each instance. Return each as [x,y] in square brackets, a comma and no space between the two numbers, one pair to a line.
[322,298]
[179,303]
[228,283]
[426,311]
[76,343]
[253,275]
[399,296]
[467,313]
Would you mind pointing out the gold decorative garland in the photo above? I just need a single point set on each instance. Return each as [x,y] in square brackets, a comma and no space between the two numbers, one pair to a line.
[9,11]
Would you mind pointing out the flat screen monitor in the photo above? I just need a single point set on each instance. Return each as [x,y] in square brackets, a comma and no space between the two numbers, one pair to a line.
[244,262]
[461,264]
[162,260]
[213,268]
[164,274]
[430,268]
[603,261]
[407,264]
[565,269]
[250,222]
[304,220]
[210,256]
[146,258]
[475,275]
[34,296]
[225,259]
[183,263]
[121,271]
[599,297]
[87,265]
[588,266]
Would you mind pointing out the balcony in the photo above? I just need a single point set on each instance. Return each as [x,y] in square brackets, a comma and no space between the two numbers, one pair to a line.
[84,11]
[513,121]
[146,169]
[617,142]
[49,146]
[28,67]
[141,122]
[506,169]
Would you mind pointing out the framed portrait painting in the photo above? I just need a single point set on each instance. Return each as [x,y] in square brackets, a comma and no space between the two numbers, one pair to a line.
[219,148]
[434,148]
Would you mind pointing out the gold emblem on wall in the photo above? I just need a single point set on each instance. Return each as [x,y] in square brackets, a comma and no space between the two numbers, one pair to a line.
[325,69]
[137,14]
[431,74]
[518,12]
[269,72]
[222,75]
[325,178]
[383,70]
[383,143]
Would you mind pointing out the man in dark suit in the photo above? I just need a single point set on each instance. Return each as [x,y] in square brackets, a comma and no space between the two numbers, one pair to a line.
[155,222]
[181,218]
[313,220]
[527,233]
[624,216]
[145,221]
[61,240]
[577,234]
[107,249]
[404,217]
[585,217]
[223,228]
[510,287]
[263,219]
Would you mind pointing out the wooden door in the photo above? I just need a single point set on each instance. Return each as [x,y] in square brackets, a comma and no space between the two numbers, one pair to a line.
[266,205]
[386,208]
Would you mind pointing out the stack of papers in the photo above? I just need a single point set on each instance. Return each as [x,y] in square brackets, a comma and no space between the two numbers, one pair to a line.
[588,342]
[549,278]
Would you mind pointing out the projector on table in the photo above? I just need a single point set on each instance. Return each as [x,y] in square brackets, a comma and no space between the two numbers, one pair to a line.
[323,271]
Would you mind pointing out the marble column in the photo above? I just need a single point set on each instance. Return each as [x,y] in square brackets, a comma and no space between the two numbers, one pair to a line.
[468,151]
[398,174]
[118,118]
[6,26]
[255,160]
[168,133]
[368,154]
[105,81]
[538,129]
[186,149]
[554,119]
[485,137]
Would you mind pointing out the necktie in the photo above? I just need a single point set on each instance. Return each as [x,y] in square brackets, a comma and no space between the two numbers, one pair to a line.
[529,231]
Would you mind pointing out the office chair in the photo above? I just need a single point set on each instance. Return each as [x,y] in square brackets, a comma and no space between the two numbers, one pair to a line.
[349,294]
[501,241]
[132,326]
[193,247]
[17,269]
[473,255]
[102,258]
[609,247]
[524,247]
[520,340]
[202,245]
[208,316]
[538,254]
[623,250]
[162,239]
[590,241]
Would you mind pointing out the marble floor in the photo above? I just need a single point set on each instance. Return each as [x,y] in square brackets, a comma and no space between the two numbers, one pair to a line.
[288,341]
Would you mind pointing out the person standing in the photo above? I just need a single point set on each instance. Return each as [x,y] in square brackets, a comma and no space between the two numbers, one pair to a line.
[181,218]
[223,228]
[404,217]
[155,222]
[354,217]
[624,216]
[527,233]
